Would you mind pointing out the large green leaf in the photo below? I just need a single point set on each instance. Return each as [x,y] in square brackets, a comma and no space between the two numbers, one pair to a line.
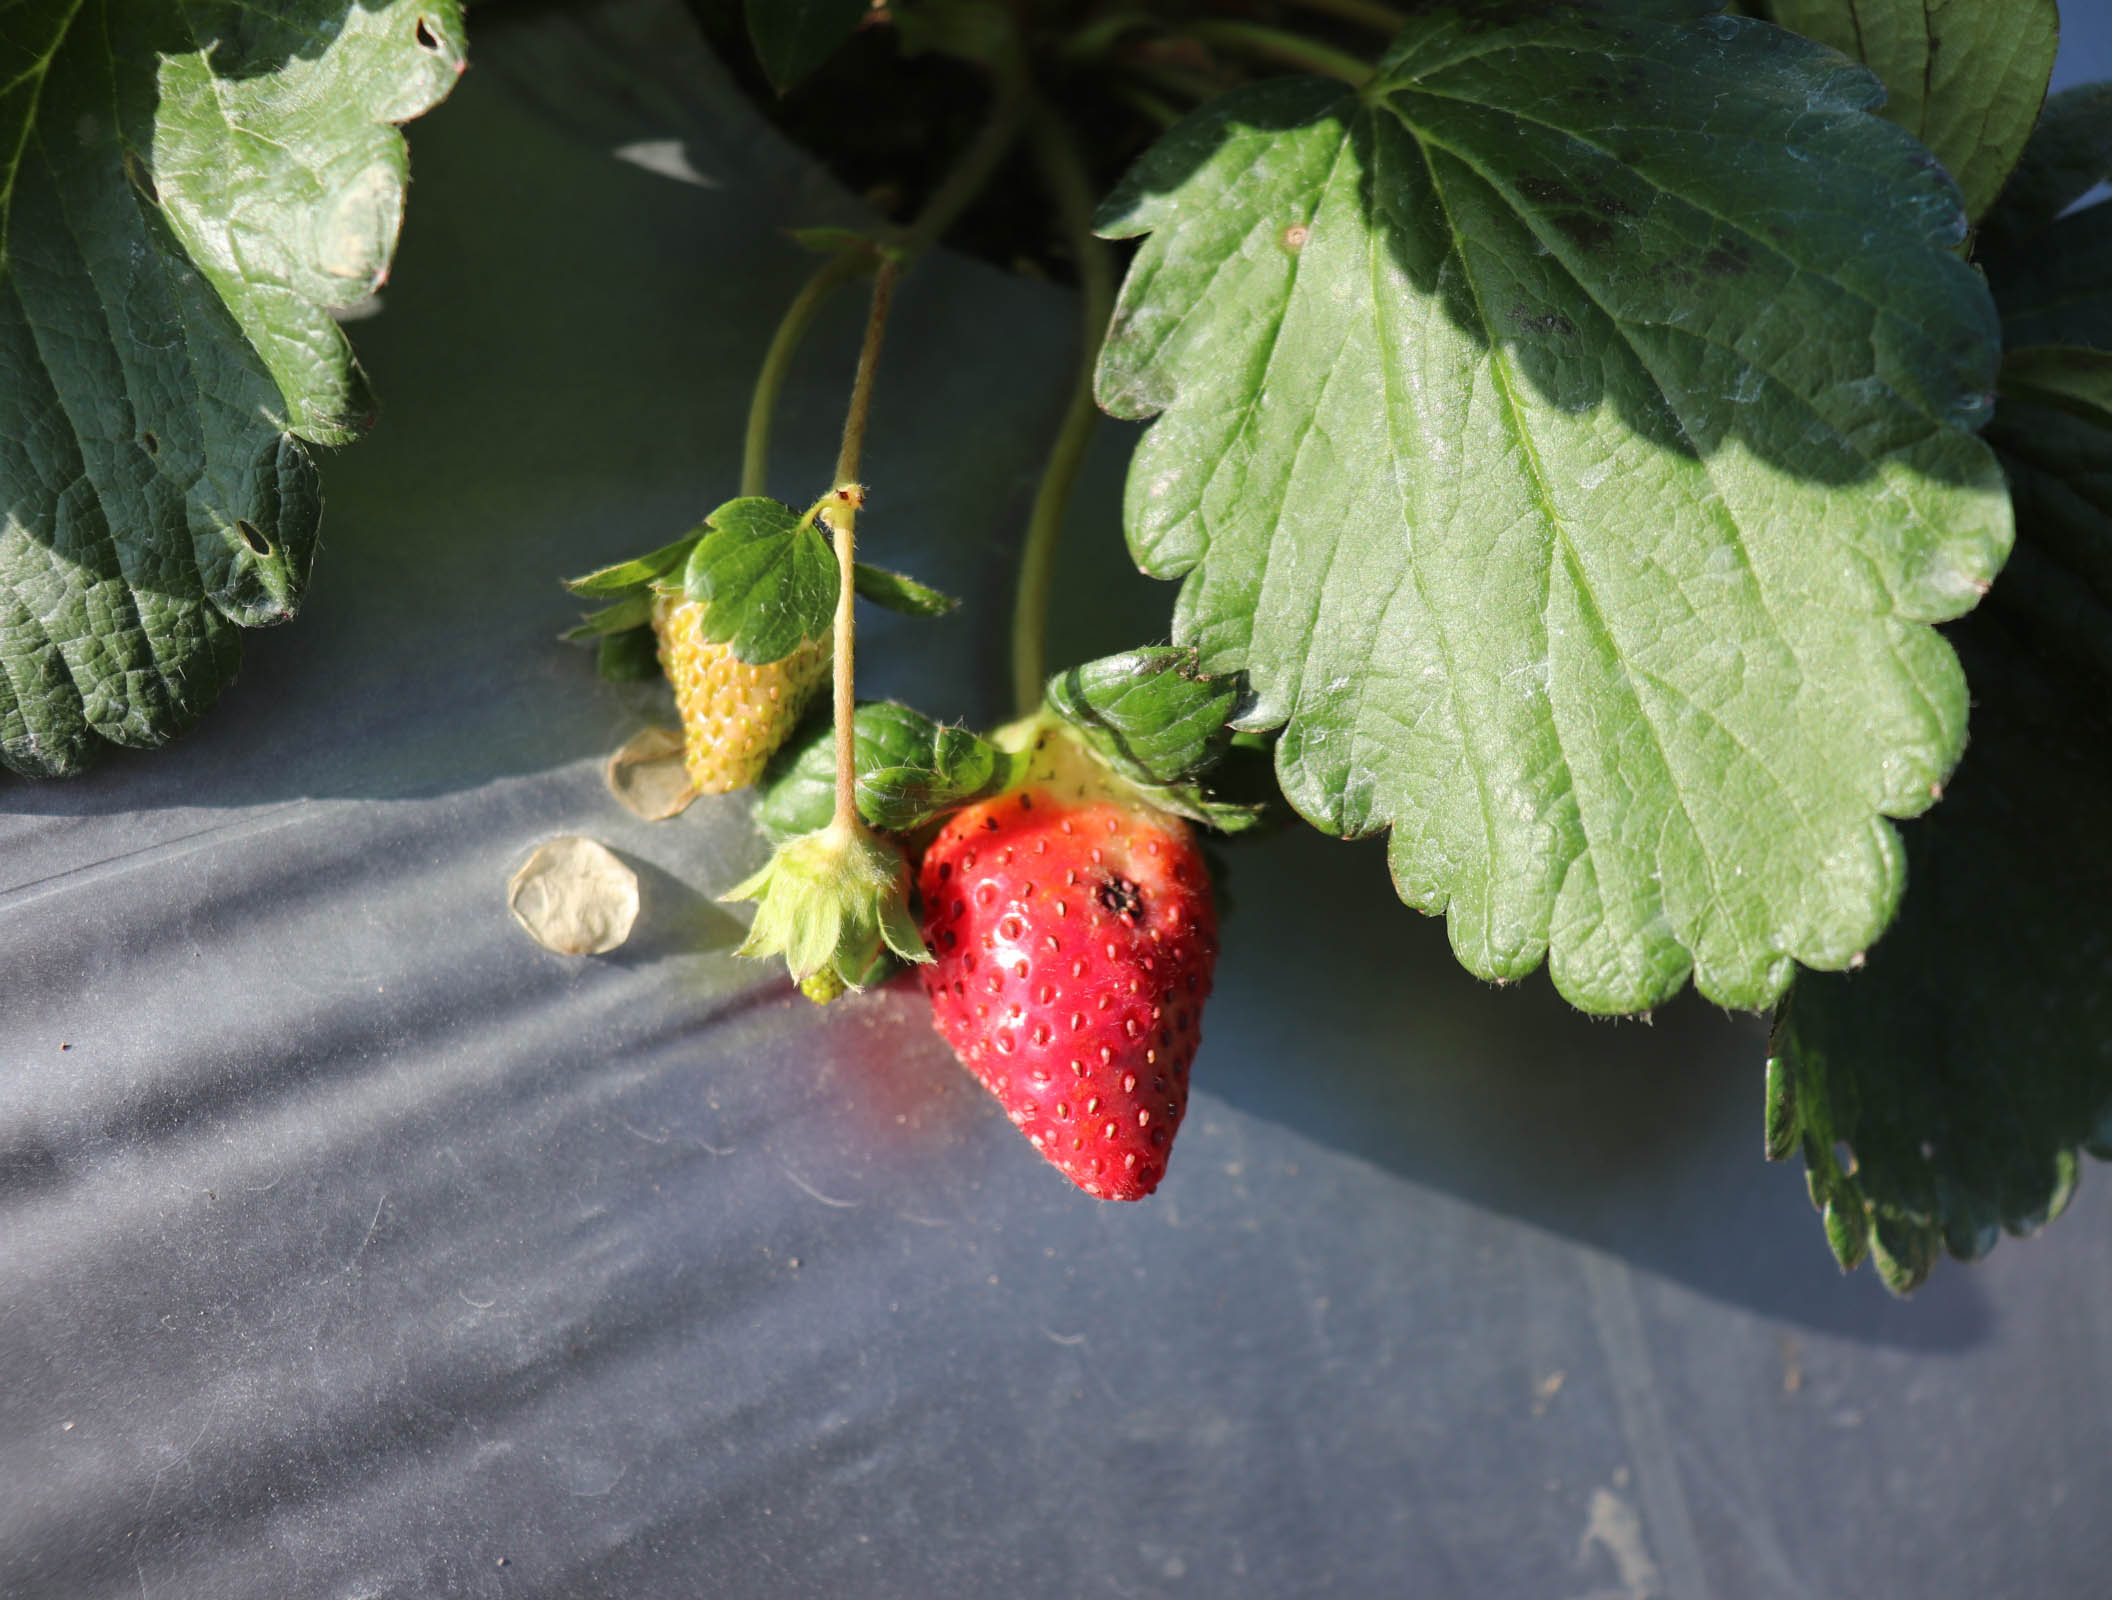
[1965,77]
[1568,435]
[186,190]
[1942,1094]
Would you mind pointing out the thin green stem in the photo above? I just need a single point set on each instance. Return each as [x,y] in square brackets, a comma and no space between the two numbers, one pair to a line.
[1289,49]
[777,361]
[1064,170]
[953,196]
[1365,13]
[842,516]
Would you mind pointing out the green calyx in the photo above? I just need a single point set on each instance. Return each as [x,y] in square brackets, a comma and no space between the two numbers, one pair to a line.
[833,899]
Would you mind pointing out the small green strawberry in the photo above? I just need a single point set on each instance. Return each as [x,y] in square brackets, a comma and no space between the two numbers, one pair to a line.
[734,715]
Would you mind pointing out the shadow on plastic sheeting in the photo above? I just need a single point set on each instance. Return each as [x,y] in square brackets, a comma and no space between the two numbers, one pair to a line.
[1341,1014]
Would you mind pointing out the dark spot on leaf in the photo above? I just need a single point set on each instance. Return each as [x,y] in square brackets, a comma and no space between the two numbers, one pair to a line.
[1585,231]
[253,536]
[153,443]
[1728,260]
[1553,322]
[1548,191]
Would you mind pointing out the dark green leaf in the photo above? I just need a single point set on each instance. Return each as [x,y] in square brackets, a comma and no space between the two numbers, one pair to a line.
[2070,153]
[2056,286]
[1965,77]
[2054,430]
[1161,722]
[766,579]
[186,191]
[637,573]
[1963,1069]
[957,768]
[793,37]
[1495,434]
[1153,715]
[899,593]
[910,769]
[631,656]
[633,611]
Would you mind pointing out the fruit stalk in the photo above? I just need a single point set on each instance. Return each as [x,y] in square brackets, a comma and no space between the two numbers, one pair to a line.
[777,362]
[1070,185]
[842,517]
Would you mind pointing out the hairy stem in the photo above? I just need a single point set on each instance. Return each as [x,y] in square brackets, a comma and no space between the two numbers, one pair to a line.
[777,361]
[842,516]
[1289,49]
[1063,169]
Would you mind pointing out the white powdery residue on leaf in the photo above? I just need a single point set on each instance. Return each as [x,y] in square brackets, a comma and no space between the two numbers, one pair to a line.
[575,897]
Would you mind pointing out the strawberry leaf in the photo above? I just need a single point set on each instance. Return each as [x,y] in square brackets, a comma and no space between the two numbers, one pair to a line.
[1567,433]
[1946,1093]
[1162,723]
[631,656]
[2070,153]
[766,578]
[911,770]
[2054,284]
[1965,77]
[186,191]
[1941,1095]
[632,611]
[793,37]
[628,578]
[897,592]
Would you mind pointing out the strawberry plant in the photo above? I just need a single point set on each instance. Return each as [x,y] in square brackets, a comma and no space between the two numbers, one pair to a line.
[1646,459]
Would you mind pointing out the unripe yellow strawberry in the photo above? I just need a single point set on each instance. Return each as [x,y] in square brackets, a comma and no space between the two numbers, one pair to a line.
[734,715]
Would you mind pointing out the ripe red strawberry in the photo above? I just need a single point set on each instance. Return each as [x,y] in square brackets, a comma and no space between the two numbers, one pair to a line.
[1073,939]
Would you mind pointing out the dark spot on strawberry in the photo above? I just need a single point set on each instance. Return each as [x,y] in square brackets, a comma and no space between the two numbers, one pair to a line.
[990,823]
[948,938]
[945,870]
[1026,802]
[1121,896]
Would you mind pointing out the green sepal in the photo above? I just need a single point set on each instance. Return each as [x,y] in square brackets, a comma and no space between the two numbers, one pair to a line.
[633,611]
[1159,722]
[632,656]
[766,578]
[837,897]
[911,770]
[627,578]
[895,591]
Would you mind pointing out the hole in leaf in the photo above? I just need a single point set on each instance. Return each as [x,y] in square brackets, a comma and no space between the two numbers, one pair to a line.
[253,536]
[153,443]
[427,38]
